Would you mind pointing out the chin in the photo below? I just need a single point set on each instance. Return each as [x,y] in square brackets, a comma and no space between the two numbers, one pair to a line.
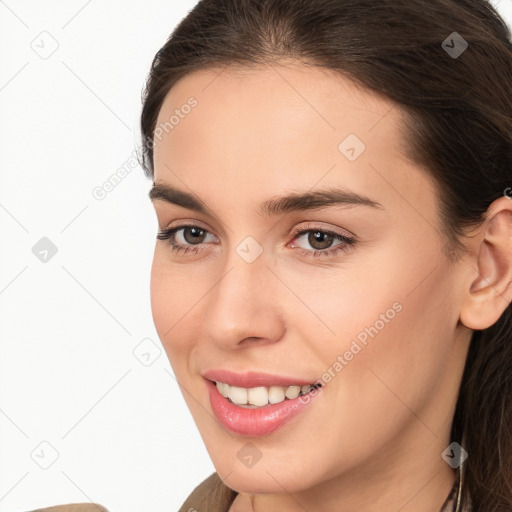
[265,479]
[248,482]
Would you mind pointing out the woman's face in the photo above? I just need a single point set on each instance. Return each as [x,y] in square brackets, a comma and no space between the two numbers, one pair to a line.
[376,321]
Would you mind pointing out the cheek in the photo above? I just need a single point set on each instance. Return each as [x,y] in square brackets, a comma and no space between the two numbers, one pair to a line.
[392,329]
[173,296]
[404,359]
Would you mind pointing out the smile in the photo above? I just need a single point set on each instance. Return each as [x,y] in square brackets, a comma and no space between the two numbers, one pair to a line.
[262,395]
[275,406]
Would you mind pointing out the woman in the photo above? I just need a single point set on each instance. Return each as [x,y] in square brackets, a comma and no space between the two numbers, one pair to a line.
[348,346]
[333,272]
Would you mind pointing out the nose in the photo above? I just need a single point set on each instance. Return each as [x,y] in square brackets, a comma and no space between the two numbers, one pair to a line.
[244,307]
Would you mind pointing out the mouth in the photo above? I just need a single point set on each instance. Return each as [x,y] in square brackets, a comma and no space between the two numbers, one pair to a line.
[262,396]
[260,410]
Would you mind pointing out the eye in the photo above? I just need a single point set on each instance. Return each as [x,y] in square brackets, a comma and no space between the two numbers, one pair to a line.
[190,238]
[192,234]
[321,241]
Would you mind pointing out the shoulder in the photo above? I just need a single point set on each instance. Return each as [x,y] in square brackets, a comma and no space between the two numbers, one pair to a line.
[74,507]
[211,495]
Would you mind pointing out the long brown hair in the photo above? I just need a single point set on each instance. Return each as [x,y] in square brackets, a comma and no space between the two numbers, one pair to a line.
[458,124]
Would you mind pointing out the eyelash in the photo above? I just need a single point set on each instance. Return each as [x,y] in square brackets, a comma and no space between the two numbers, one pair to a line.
[345,245]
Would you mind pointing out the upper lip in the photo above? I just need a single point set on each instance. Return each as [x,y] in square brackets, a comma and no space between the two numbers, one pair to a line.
[254,379]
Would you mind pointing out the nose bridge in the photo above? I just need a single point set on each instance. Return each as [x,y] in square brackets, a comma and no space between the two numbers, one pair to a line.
[243,303]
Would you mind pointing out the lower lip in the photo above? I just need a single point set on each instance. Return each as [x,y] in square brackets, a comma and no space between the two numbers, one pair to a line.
[256,422]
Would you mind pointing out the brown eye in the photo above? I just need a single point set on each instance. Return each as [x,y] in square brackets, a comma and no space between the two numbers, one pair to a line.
[193,235]
[321,242]
[185,238]
[320,239]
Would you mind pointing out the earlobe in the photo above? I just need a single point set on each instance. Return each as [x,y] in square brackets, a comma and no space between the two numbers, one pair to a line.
[489,294]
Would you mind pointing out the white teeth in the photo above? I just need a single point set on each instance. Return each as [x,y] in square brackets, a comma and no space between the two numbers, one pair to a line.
[223,389]
[292,392]
[275,394]
[261,395]
[238,395]
[257,396]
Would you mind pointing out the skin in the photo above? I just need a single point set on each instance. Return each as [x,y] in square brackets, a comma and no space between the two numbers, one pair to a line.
[372,439]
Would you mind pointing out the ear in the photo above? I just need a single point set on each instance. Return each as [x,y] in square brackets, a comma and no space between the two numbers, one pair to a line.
[488,295]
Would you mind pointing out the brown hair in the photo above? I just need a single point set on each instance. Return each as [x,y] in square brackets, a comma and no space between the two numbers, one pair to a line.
[458,126]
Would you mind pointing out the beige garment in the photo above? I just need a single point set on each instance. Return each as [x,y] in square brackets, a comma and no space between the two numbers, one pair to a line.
[212,495]
[74,507]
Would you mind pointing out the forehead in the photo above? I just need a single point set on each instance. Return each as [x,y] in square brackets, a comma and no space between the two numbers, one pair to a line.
[273,109]
[289,89]
[275,127]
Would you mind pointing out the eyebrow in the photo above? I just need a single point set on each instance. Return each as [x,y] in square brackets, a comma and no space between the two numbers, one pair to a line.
[275,206]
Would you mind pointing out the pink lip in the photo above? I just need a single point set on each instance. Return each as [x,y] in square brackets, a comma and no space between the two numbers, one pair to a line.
[252,379]
[255,422]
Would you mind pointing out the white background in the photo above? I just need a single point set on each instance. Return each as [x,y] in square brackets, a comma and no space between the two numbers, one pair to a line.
[119,429]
